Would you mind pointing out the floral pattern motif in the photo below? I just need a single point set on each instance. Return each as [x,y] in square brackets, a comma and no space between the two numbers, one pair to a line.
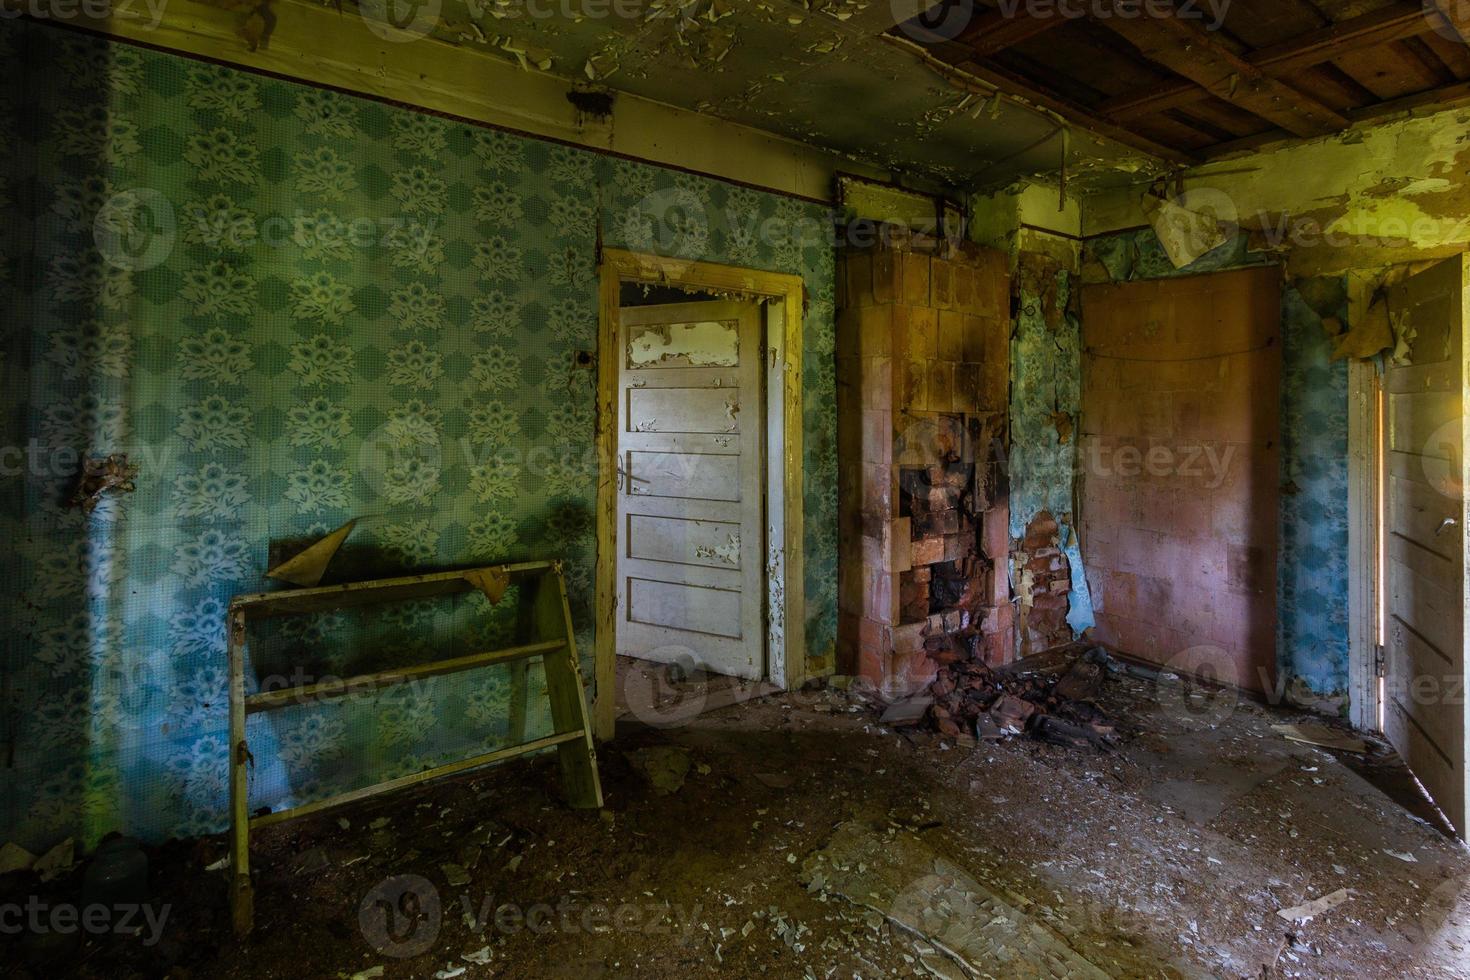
[366,312]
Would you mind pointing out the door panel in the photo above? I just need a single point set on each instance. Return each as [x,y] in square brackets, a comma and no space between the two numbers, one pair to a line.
[1181,477]
[690,501]
[1425,587]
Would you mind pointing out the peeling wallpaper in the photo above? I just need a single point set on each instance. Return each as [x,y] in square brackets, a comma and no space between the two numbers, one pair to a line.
[1371,197]
[1312,577]
[275,373]
[1046,378]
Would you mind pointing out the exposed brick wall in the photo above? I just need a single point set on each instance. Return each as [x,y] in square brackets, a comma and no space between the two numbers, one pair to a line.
[1045,578]
[922,379]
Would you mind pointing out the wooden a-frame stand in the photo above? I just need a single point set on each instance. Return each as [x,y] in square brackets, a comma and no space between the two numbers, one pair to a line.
[545,613]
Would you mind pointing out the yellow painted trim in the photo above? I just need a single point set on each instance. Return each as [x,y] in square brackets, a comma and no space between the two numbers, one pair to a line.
[317,45]
[620,266]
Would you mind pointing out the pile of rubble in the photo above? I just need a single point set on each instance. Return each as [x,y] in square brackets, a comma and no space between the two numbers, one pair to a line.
[1058,707]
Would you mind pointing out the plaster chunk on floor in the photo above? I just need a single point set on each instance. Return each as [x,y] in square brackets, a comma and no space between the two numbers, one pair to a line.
[897,875]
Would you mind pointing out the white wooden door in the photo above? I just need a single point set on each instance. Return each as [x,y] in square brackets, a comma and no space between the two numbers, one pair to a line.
[1425,589]
[690,514]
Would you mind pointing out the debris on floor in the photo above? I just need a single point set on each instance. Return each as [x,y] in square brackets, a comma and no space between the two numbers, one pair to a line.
[974,699]
[806,840]
[13,857]
[57,861]
[1314,908]
[665,767]
[894,873]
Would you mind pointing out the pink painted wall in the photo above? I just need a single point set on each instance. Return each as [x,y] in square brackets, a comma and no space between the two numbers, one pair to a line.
[1180,460]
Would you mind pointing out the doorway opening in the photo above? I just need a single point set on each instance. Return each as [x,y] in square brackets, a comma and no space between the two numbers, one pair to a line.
[699,504]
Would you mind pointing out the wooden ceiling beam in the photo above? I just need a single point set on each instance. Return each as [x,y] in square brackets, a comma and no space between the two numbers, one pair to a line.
[1186,49]
[1446,97]
[994,31]
[1457,14]
[1028,91]
[1393,23]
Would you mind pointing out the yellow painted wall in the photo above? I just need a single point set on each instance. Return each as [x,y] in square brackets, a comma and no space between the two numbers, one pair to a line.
[315,43]
[1398,192]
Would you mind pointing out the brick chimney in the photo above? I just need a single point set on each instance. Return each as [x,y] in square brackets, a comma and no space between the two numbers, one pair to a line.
[923,361]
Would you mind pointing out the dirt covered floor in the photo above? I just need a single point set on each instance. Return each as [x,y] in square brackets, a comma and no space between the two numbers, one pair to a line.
[793,836]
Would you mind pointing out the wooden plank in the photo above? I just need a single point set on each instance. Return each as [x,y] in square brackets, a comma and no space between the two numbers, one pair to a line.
[1432,69]
[1388,72]
[994,31]
[1423,103]
[606,573]
[1189,50]
[984,76]
[348,594]
[1420,597]
[413,779]
[1369,30]
[1419,512]
[578,759]
[1453,53]
[1416,423]
[1433,768]
[242,901]
[329,690]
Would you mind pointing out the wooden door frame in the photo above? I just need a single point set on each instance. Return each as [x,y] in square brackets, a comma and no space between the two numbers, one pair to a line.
[784,296]
[1365,525]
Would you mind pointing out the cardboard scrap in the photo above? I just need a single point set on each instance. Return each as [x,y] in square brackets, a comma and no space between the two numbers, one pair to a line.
[1369,338]
[57,861]
[310,564]
[1314,908]
[13,857]
[909,711]
[1322,736]
[1186,235]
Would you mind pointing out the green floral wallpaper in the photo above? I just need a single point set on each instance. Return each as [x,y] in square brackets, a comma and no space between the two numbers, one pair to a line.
[291,307]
